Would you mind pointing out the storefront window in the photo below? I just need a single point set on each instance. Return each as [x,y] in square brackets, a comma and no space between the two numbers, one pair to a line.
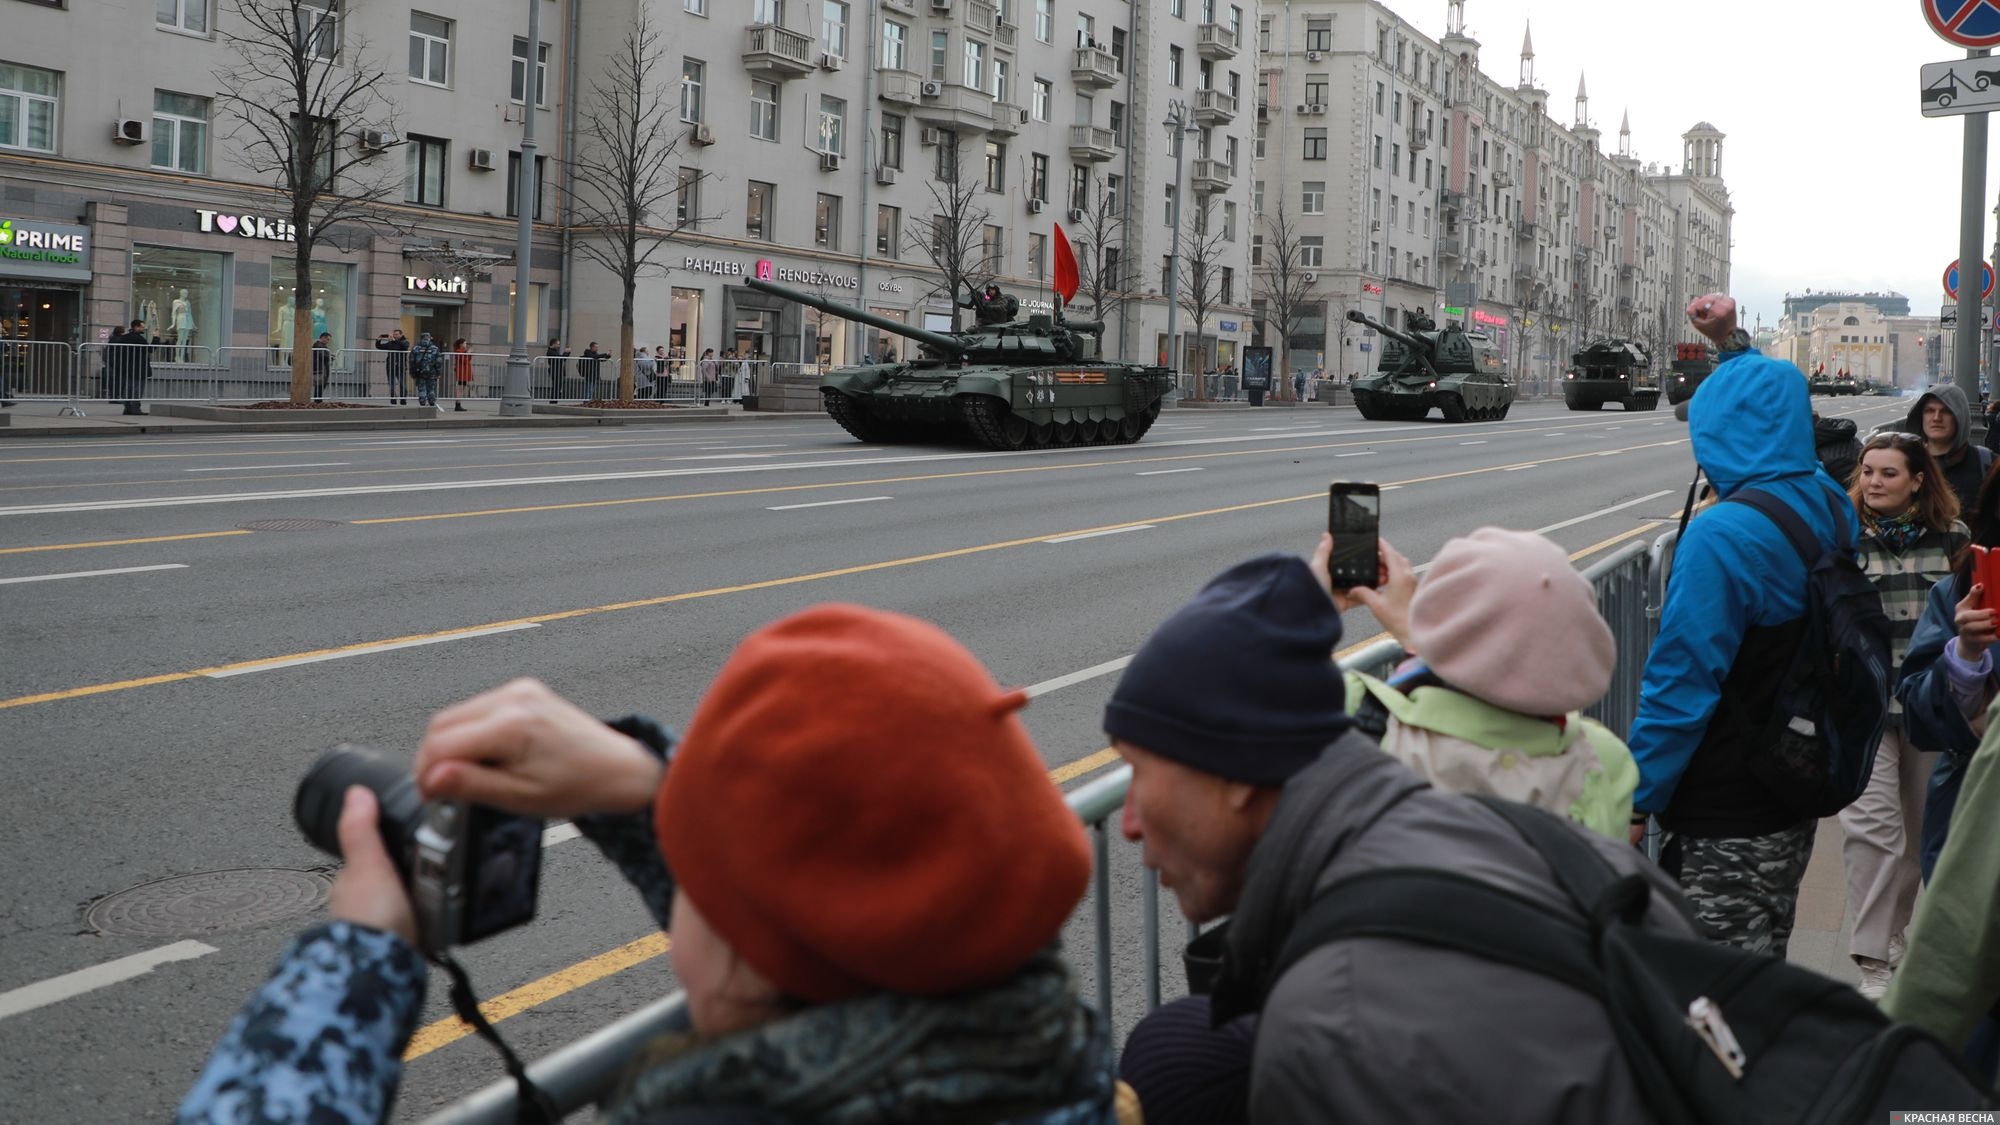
[684,324]
[538,303]
[883,346]
[328,302]
[179,294]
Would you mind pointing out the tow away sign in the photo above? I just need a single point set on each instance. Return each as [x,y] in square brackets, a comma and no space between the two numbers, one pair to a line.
[1960,86]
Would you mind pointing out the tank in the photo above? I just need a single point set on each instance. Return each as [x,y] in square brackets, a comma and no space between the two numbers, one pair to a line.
[1009,383]
[1610,371]
[1692,364]
[1838,383]
[1457,372]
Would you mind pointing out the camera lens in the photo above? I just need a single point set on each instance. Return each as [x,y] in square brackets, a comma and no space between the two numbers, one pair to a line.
[316,805]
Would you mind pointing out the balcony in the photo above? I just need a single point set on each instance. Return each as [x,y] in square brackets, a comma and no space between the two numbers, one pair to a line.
[980,16]
[1003,35]
[771,51]
[1527,230]
[1008,119]
[1625,304]
[1090,143]
[1450,248]
[1211,177]
[955,107]
[1094,67]
[1524,270]
[902,87]
[1213,107]
[1627,271]
[1215,42]
[1454,201]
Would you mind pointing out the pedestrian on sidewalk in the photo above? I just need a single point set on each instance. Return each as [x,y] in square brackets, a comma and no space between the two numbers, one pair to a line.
[592,364]
[711,374]
[397,364]
[461,374]
[1910,536]
[1735,614]
[1944,420]
[426,363]
[558,365]
[322,357]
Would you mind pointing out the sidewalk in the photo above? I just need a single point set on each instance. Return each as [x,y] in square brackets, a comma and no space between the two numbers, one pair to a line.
[45,418]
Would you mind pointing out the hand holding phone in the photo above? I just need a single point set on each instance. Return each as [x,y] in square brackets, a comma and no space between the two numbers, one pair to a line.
[1354,520]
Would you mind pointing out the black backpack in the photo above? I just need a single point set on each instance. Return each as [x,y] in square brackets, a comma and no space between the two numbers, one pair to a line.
[1714,1035]
[1819,747]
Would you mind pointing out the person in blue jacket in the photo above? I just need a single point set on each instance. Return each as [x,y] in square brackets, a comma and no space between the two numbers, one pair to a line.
[1734,615]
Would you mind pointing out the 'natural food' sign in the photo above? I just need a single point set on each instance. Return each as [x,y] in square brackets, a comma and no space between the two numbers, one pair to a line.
[46,250]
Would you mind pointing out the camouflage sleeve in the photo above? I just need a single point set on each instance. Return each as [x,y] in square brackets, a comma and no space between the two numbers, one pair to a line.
[628,840]
[323,1040]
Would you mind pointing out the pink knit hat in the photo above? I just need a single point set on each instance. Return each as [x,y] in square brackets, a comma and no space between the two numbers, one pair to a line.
[1503,616]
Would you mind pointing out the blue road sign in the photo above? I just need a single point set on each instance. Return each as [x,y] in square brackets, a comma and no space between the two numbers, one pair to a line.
[1951,280]
[1968,23]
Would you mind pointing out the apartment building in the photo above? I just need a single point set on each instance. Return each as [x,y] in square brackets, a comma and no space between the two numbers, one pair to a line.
[117,143]
[1426,184]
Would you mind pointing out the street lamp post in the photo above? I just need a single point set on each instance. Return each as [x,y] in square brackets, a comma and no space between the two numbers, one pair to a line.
[1179,123]
[514,396]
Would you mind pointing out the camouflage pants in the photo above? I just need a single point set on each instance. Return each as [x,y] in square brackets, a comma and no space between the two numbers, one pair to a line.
[1745,891]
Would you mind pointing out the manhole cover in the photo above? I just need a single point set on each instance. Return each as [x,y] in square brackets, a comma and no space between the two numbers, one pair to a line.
[207,903]
[288,525]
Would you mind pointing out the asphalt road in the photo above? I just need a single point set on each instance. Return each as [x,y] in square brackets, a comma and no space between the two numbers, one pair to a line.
[173,660]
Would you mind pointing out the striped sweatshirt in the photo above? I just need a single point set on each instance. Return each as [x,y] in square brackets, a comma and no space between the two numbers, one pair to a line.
[1905,581]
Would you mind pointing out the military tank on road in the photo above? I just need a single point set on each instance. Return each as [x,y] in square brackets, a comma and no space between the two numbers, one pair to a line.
[1010,383]
[1610,371]
[1456,371]
[1692,363]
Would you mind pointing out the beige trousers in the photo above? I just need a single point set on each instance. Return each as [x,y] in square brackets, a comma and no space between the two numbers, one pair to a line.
[1881,847]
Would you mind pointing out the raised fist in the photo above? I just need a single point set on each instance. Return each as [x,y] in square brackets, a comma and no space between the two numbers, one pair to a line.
[1713,315]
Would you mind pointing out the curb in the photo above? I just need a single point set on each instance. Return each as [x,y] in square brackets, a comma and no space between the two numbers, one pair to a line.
[547,422]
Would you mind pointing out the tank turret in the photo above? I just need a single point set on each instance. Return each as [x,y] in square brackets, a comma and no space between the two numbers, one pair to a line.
[1012,382]
[1450,369]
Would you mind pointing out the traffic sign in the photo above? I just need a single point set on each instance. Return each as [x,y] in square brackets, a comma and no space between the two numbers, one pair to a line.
[1948,317]
[1968,23]
[1959,86]
[1951,280]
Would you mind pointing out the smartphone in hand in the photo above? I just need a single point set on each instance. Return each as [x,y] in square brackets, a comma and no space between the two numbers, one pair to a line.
[1354,517]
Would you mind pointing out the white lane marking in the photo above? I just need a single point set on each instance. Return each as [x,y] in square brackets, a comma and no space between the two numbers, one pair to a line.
[1077,677]
[1095,534]
[1253,429]
[1366,453]
[1610,453]
[91,573]
[1607,427]
[726,457]
[1518,468]
[828,503]
[42,993]
[556,448]
[1164,472]
[1389,488]
[1557,433]
[1461,443]
[249,468]
[385,442]
[1655,423]
[774,445]
[559,834]
[1603,512]
[369,650]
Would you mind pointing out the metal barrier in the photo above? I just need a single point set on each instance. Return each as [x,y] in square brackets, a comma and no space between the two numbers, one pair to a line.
[1623,598]
[128,372]
[37,369]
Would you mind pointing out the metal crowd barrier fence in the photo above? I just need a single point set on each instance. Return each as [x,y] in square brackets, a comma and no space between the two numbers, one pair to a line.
[126,372]
[37,369]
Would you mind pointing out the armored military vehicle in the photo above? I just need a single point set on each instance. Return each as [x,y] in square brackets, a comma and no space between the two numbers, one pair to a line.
[1610,371]
[1841,382]
[1692,363]
[1009,383]
[1455,371]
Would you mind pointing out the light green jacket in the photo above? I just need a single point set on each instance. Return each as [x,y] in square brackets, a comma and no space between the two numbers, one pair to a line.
[1951,975]
[1462,744]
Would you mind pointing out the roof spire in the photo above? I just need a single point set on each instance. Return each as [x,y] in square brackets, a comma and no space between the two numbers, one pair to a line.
[1582,103]
[1527,61]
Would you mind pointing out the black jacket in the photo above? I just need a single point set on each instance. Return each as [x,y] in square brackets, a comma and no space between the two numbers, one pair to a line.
[1839,450]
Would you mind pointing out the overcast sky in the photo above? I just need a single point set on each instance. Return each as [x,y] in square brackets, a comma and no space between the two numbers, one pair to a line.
[1837,181]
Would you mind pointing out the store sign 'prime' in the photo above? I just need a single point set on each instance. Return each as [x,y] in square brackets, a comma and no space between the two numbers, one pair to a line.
[54,250]
[447,285]
[246,226]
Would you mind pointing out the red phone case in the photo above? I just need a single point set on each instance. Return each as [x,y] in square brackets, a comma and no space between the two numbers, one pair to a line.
[1986,572]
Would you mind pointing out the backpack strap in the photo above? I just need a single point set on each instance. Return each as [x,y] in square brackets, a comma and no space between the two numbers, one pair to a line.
[1796,532]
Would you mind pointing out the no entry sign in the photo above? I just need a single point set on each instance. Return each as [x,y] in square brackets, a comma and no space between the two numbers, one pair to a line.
[1951,280]
[1968,23]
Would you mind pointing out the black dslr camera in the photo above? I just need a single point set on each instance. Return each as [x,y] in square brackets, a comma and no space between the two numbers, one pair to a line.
[471,871]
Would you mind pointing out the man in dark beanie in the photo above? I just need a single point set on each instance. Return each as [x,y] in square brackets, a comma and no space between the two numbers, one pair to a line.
[1251,795]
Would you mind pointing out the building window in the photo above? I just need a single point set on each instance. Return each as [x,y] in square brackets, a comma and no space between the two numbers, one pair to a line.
[1256,249]
[975,65]
[1086,30]
[1037,256]
[895,44]
[430,50]
[1229,152]
[1311,249]
[833,27]
[763,110]
[826,222]
[892,140]
[1315,144]
[692,73]
[180,132]
[940,54]
[326,302]
[1264,34]
[1177,9]
[1167,214]
[1043,93]
[1228,285]
[1395,160]
[1319,34]
[1117,122]
[314,144]
[1079,186]
[1045,20]
[947,157]
[695,7]
[1038,177]
[996,166]
[179,294]
[888,226]
[1173,66]
[759,214]
[423,180]
[992,246]
[319,28]
[183,15]
[1000,86]
[687,198]
[1316,89]
[1118,47]
[1112,186]
[832,125]
[518,78]
[1108,269]
[514,183]
[767,11]
[1313,201]
[1378,152]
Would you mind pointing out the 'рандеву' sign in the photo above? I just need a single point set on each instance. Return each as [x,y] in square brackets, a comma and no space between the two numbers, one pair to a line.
[32,249]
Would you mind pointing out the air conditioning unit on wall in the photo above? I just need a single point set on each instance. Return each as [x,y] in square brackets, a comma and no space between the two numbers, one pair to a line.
[1314,56]
[702,135]
[1076,214]
[1035,206]
[131,131]
[829,162]
[480,159]
[932,89]
[830,61]
[376,140]
[930,135]
[885,175]
[1309,277]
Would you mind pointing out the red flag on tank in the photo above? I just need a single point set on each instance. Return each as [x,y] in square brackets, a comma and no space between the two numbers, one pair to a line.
[1066,275]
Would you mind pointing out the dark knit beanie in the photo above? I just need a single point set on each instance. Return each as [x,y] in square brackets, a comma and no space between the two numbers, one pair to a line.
[1183,1070]
[1240,682]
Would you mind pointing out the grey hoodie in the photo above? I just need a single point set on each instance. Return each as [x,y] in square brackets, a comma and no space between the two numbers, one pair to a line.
[1964,470]
[1377,1029]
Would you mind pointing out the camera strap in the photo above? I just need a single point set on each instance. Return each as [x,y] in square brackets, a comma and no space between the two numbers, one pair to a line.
[533,1106]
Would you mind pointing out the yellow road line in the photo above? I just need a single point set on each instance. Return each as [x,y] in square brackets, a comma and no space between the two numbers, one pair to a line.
[537,992]
[1089,764]
[121,542]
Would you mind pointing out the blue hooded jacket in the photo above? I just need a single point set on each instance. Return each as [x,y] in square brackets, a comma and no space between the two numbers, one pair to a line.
[1751,427]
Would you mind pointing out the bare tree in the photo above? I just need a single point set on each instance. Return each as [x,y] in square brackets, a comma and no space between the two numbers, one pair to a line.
[954,239]
[295,90]
[1289,290]
[628,193]
[1104,276]
[1202,253]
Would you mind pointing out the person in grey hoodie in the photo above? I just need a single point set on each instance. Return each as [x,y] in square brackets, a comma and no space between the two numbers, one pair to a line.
[1944,420]
[1251,794]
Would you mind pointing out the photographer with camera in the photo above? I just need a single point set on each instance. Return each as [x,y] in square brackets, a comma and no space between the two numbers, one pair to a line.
[884,862]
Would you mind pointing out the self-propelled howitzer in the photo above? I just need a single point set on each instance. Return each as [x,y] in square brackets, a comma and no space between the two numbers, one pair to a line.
[1456,371]
[1029,383]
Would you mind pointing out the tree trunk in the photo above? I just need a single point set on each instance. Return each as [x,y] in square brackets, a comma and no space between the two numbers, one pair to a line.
[627,374]
[302,337]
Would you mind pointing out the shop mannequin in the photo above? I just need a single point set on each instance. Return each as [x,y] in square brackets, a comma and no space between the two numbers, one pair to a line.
[287,326]
[319,316]
[183,314]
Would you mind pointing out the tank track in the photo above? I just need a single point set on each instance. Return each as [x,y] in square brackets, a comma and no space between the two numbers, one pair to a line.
[997,427]
[851,417]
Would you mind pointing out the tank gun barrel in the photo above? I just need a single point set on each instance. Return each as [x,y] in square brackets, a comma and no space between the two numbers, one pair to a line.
[941,343]
[1416,344]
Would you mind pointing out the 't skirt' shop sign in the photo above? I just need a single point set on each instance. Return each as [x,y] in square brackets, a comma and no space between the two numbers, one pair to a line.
[455,286]
[246,226]
[52,250]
